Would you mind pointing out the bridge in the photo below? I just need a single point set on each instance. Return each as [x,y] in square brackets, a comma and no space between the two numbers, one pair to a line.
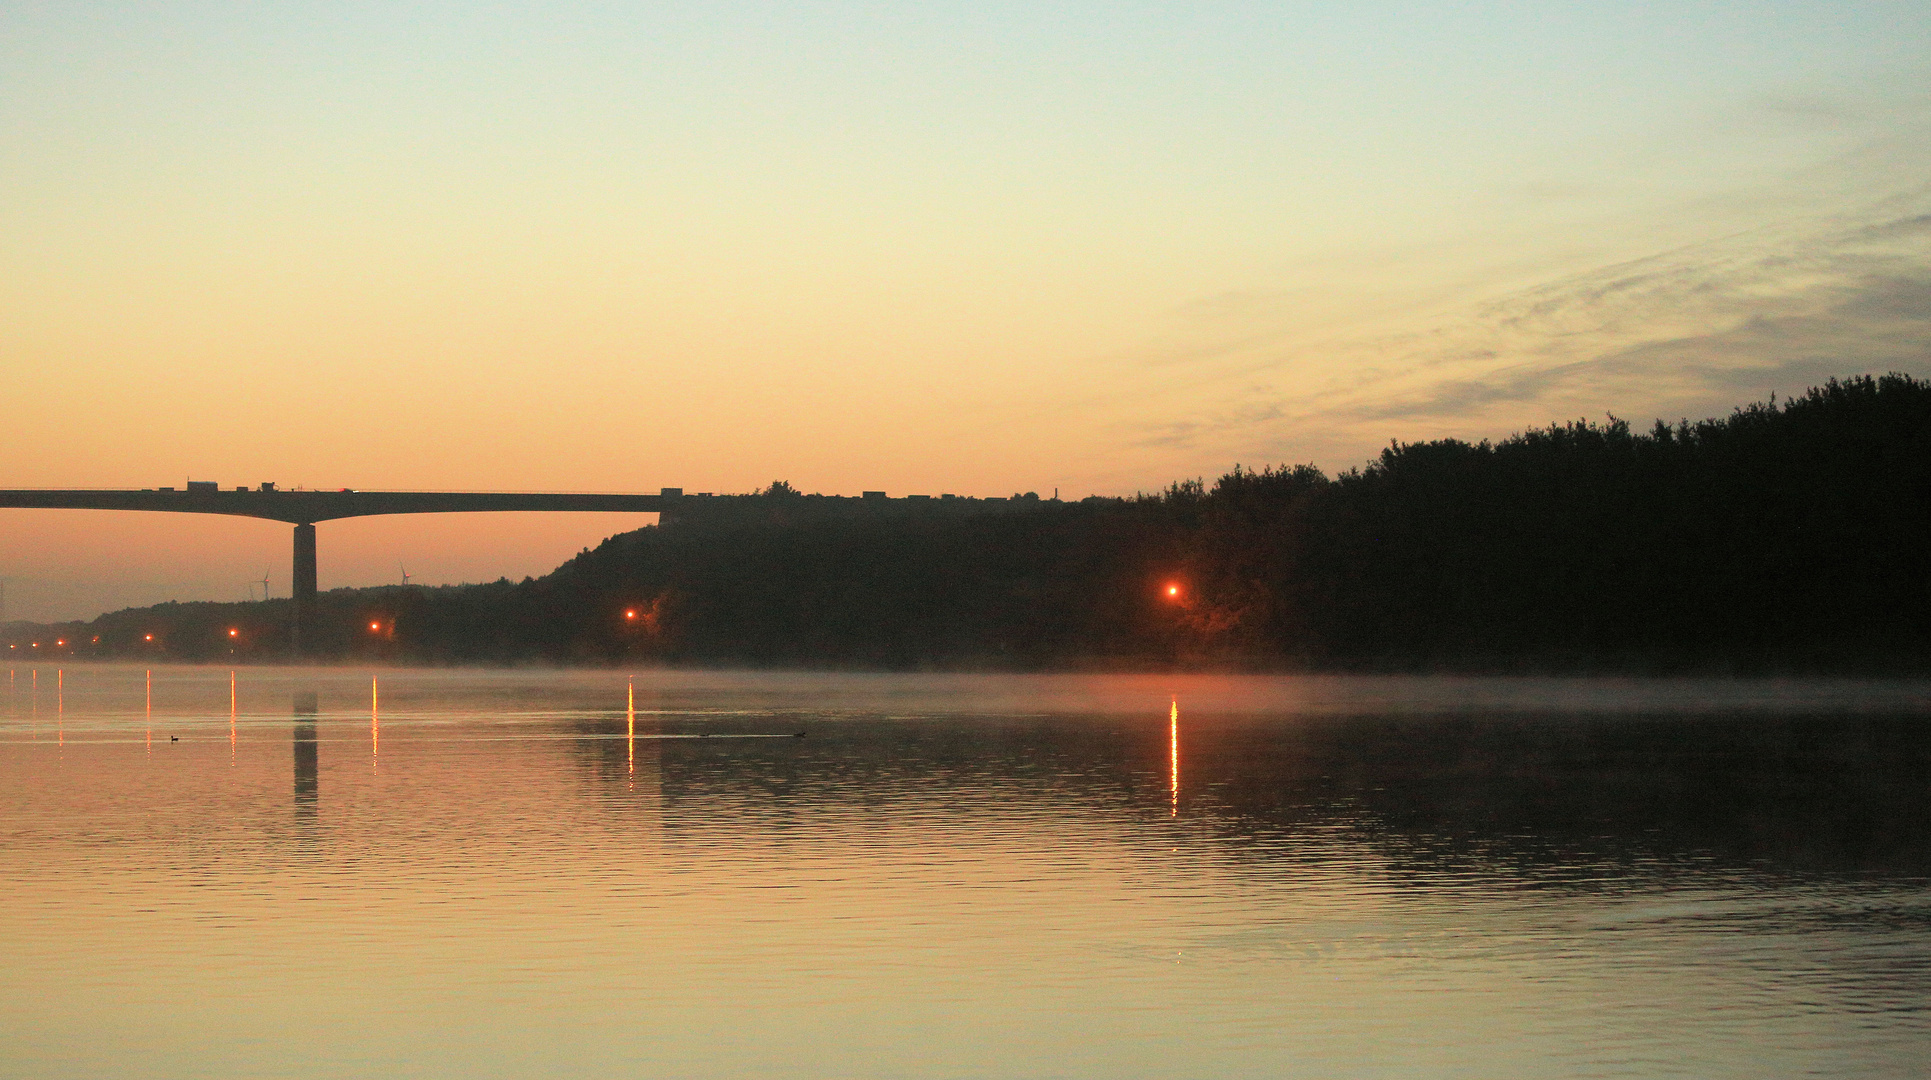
[303,509]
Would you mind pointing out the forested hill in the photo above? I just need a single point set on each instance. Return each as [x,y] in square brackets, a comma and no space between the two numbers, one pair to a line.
[1785,536]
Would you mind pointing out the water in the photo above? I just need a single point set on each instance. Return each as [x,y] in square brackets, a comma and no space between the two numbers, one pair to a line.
[577,874]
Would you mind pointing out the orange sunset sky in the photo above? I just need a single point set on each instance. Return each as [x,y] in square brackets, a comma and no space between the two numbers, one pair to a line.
[946,247]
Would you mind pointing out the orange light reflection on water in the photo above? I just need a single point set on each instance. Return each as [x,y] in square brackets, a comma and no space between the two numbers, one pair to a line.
[1173,758]
[630,728]
[231,719]
[375,721]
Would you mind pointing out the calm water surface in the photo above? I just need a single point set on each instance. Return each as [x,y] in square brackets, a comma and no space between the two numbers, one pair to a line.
[469,874]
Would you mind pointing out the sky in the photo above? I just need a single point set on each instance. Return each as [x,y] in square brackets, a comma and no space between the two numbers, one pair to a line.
[977,248]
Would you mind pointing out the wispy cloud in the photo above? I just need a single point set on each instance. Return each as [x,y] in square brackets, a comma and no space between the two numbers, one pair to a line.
[1871,322]
[1189,432]
[1685,332]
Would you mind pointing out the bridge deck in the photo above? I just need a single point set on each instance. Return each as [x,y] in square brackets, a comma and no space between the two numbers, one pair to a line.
[308,507]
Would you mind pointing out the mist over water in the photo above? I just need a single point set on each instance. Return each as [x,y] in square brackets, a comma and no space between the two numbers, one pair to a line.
[470,873]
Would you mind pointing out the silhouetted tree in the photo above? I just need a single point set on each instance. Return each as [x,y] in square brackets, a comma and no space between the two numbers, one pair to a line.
[1784,536]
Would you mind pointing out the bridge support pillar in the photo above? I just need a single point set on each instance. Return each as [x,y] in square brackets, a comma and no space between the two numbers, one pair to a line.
[303,582]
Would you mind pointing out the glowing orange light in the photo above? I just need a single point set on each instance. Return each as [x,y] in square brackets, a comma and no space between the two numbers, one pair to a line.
[234,633]
[630,614]
[150,637]
[62,641]
[1173,590]
[375,626]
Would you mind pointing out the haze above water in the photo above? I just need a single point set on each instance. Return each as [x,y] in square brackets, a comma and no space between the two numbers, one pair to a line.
[521,874]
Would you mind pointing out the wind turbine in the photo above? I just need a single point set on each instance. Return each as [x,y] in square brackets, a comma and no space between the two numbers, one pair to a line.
[262,581]
[405,575]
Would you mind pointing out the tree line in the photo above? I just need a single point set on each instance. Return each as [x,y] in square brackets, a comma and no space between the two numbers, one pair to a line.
[1786,536]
